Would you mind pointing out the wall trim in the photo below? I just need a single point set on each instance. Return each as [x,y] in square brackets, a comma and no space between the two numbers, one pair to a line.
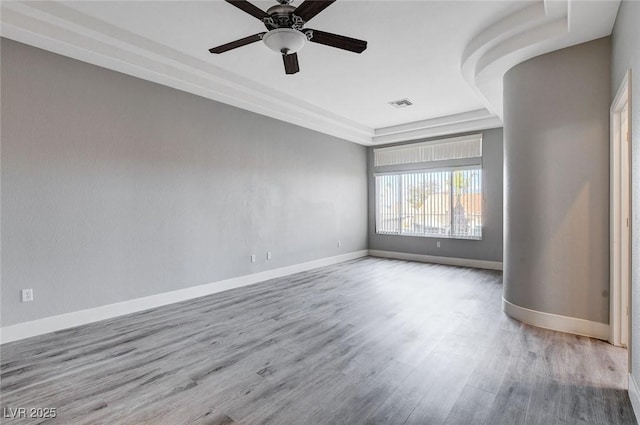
[556,322]
[64,30]
[77,318]
[480,119]
[450,261]
[634,396]
[543,27]
[619,210]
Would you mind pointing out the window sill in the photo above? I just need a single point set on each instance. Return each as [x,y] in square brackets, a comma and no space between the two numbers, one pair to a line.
[433,236]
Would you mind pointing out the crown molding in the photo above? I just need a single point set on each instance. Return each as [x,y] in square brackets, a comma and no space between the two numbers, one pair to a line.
[543,27]
[63,30]
[480,119]
[55,27]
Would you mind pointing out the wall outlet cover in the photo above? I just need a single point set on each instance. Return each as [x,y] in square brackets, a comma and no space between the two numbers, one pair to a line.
[27,295]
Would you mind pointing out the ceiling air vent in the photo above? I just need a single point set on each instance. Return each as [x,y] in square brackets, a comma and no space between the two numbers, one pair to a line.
[402,103]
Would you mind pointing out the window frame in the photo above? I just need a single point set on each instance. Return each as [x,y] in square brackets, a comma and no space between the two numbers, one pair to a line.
[449,170]
[403,164]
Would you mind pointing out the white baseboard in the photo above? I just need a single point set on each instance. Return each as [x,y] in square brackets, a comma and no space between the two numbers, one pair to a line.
[634,396]
[557,322]
[449,261]
[63,321]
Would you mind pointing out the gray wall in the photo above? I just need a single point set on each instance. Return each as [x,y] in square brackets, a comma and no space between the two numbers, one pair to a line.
[115,188]
[489,248]
[556,128]
[625,56]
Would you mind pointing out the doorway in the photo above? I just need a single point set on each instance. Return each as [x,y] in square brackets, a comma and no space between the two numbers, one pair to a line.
[620,214]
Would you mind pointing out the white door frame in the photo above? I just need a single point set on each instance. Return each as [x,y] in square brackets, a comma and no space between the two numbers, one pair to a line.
[620,215]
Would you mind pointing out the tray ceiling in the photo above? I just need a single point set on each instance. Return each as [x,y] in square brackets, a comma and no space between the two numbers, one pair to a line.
[447,58]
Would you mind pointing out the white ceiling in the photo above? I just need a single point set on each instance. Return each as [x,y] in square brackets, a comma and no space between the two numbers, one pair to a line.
[447,57]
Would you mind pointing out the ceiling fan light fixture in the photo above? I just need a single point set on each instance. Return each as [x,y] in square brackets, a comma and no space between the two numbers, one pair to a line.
[285,40]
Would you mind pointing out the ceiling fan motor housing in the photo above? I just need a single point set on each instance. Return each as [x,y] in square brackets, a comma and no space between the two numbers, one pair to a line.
[282,16]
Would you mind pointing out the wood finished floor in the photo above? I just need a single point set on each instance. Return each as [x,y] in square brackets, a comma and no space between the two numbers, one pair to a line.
[371,341]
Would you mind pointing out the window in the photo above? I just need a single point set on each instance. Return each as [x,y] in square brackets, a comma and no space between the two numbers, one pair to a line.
[430,199]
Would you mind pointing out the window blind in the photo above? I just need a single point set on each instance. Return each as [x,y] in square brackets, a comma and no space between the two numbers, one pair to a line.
[430,203]
[436,150]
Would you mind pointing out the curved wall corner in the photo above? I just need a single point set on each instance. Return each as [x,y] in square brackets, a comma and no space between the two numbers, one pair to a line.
[556,186]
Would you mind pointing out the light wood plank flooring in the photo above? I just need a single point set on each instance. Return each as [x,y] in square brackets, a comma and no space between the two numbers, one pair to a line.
[370,341]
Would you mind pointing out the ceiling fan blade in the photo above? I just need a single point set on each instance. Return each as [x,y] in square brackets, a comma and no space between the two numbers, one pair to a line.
[291,63]
[238,43]
[339,41]
[310,8]
[245,6]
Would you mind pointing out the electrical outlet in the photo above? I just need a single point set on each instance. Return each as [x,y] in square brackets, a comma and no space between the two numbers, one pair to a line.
[253,258]
[269,255]
[27,295]
[438,244]
[339,244]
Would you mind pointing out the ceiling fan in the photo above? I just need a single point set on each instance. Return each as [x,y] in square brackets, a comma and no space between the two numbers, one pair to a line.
[286,33]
